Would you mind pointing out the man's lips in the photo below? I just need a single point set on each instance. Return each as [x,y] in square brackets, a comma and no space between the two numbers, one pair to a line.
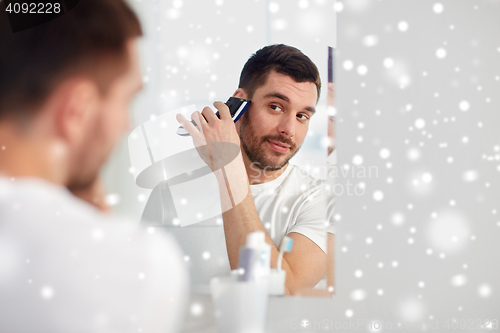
[278,146]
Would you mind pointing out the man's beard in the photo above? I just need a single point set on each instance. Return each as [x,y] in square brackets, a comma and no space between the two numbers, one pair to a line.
[253,147]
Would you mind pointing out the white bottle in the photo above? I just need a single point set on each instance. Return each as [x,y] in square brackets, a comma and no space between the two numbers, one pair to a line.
[261,266]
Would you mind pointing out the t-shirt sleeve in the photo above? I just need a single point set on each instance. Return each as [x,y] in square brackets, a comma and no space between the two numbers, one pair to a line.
[315,217]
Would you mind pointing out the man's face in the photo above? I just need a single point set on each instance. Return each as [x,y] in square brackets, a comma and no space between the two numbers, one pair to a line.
[110,122]
[274,127]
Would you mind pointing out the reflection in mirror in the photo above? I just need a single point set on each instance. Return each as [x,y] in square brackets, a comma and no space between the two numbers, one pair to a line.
[244,180]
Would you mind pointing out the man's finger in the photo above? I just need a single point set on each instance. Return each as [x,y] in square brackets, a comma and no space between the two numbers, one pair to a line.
[209,115]
[188,126]
[224,112]
[199,120]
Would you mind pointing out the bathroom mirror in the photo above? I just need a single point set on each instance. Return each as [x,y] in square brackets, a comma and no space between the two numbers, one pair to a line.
[192,55]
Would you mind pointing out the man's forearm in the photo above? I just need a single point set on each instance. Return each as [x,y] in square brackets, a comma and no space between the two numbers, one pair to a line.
[238,223]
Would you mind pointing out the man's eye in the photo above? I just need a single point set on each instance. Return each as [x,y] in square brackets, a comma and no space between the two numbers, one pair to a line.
[304,117]
[275,107]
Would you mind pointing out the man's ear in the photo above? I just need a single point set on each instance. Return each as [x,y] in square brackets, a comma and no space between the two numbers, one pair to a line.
[240,93]
[76,104]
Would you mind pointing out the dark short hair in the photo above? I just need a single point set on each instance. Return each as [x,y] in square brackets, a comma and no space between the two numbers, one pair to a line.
[283,59]
[88,40]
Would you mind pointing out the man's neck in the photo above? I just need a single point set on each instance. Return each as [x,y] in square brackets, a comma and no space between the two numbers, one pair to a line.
[27,156]
[257,175]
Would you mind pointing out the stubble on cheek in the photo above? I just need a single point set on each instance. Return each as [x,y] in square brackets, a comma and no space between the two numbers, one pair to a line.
[258,150]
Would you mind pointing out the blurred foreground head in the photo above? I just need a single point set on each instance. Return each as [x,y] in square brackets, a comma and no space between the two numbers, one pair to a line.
[65,88]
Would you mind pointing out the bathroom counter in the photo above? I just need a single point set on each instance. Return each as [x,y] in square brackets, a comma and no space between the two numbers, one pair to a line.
[284,314]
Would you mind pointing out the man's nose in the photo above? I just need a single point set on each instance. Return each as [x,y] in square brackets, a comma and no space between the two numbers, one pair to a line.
[286,126]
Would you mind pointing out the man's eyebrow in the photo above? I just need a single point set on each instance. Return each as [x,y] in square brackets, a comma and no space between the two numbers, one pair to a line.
[277,95]
[286,99]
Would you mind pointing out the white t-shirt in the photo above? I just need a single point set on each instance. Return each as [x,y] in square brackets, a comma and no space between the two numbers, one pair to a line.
[295,202]
[66,267]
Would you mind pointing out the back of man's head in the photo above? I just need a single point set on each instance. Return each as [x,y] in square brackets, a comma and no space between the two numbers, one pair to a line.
[89,40]
[281,58]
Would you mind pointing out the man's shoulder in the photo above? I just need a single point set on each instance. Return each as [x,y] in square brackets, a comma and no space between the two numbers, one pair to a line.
[91,260]
[49,212]
[57,222]
[49,202]
[302,177]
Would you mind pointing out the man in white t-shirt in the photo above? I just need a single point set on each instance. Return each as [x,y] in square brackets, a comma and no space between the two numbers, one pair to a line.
[66,266]
[284,86]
